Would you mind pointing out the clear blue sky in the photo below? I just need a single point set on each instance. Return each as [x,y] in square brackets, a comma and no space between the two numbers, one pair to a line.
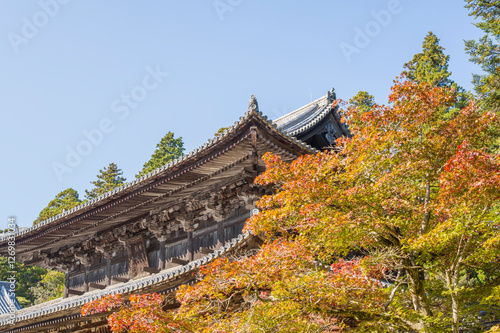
[68,68]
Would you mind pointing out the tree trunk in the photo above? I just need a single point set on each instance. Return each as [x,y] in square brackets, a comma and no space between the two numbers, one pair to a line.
[416,288]
[427,215]
[454,305]
[452,284]
[414,273]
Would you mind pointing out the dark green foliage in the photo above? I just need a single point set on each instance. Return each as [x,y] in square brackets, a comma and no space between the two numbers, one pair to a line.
[486,51]
[50,287]
[26,277]
[168,149]
[65,200]
[107,180]
[430,65]
[363,101]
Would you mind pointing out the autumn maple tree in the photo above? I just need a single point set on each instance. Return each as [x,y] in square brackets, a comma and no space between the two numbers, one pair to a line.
[283,288]
[396,230]
[137,313]
[417,192]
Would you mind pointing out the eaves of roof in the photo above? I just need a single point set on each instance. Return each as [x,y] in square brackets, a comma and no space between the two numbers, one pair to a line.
[26,317]
[145,183]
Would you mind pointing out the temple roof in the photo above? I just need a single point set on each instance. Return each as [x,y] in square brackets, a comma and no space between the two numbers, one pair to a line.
[300,120]
[230,148]
[168,278]
[278,136]
[219,161]
[7,304]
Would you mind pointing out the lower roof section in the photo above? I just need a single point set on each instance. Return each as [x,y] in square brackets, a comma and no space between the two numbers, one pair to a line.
[33,319]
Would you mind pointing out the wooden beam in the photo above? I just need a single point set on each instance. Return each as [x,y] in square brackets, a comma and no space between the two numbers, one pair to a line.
[162,254]
[206,250]
[32,261]
[220,233]
[108,270]
[90,325]
[190,245]
[97,286]
[150,269]
[86,279]
[66,285]
[120,279]
[75,292]
[180,262]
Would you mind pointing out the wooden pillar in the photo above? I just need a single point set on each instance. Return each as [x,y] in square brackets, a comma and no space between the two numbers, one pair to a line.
[86,279]
[108,270]
[220,233]
[106,252]
[161,264]
[66,285]
[190,245]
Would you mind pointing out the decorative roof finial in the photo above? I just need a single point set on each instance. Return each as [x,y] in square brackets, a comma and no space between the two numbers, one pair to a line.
[253,105]
[331,95]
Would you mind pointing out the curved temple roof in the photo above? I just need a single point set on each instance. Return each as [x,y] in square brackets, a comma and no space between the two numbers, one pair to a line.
[7,304]
[300,120]
[287,127]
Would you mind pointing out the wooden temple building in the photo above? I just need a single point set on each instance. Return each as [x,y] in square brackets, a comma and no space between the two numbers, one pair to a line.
[151,234]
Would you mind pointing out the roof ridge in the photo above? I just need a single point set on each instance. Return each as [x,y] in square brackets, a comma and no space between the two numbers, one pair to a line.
[136,181]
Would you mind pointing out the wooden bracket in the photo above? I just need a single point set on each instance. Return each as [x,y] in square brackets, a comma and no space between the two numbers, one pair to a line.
[150,269]
[206,250]
[75,292]
[179,262]
[120,279]
[97,286]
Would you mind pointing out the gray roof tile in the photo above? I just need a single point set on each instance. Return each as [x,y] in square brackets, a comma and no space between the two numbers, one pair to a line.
[7,304]
[305,117]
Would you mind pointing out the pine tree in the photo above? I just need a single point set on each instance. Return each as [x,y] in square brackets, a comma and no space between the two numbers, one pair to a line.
[363,102]
[65,200]
[486,51]
[430,65]
[107,180]
[168,149]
